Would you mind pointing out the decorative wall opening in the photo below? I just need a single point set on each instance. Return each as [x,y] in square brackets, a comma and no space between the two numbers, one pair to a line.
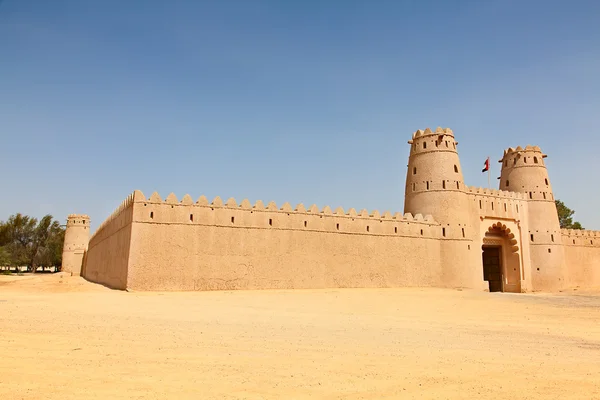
[546,180]
[414,170]
[192,217]
[535,160]
[424,145]
[270,222]
[151,214]
[456,169]
[443,184]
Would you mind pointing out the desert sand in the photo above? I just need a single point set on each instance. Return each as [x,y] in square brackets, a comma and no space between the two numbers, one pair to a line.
[65,338]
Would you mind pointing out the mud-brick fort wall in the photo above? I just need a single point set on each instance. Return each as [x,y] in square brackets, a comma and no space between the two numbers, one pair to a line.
[582,255]
[156,244]
[207,246]
[107,256]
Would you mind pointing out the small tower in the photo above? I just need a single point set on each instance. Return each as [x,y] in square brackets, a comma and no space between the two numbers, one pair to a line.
[77,236]
[524,171]
[434,180]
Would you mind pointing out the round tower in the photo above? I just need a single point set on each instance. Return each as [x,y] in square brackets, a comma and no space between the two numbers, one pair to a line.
[77,236]
[434,180]
[524,171]
[435,186]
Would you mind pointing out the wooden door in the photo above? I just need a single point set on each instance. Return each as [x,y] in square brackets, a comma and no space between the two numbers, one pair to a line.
[492,268]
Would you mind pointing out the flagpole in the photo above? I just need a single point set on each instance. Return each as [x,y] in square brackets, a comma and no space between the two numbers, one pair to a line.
[489,173]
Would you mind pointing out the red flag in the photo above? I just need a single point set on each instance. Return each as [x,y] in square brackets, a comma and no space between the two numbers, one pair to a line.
[487,165]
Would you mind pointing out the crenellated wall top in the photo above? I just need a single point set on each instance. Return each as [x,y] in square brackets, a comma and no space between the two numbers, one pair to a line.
[78,216]
[155,198]
[428,132]
[580,233]
[496,193]
[128,202]
[528,149]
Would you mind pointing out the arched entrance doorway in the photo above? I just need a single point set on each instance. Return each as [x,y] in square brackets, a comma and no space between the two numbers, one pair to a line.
[500,257]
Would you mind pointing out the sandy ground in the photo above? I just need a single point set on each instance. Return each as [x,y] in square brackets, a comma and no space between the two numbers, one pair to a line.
[64,338]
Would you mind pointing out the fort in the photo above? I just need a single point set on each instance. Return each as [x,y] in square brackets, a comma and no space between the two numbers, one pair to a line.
[450,236]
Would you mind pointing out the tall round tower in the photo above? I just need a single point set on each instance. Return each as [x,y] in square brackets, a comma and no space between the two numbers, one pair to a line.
[434,180]
[435,186]
[524,170]
[77,236]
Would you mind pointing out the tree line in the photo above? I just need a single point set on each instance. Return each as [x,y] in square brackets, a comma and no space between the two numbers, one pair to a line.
[28,242]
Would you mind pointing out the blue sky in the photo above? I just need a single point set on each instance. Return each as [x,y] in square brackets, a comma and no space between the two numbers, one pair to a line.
[299,101]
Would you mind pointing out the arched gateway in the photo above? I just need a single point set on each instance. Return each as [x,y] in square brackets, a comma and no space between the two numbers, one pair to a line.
[501,259]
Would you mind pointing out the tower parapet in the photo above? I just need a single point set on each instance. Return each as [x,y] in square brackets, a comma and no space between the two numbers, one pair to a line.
[524,171]
[77,235]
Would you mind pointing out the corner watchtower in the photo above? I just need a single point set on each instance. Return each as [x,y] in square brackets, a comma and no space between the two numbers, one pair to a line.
[434,180]
[524,171]
[77,236]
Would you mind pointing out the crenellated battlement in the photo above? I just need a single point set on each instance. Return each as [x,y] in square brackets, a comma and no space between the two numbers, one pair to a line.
[530,156]
[78,220]
[217,202]
[580,237]
[78,216]
[580,233]
[428,132]
[496,193]
[100,231]
[520,149]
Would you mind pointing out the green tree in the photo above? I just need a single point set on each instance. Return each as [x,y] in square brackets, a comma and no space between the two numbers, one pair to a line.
[565,216]
[32,243]
[5,257]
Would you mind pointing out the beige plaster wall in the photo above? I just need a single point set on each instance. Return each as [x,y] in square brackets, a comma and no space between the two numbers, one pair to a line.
[200,246]
[582,254]
[490,203]
[107,257]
